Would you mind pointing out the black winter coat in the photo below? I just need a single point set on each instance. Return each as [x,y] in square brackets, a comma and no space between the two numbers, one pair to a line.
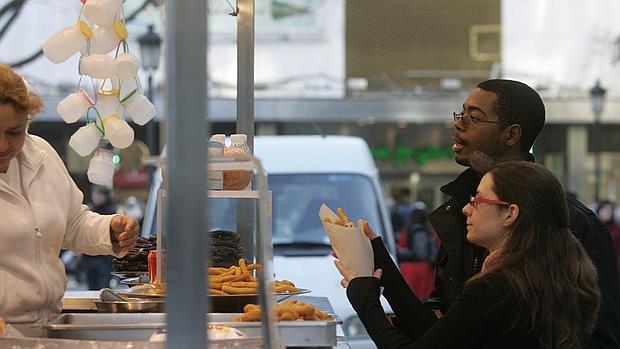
[458,260]
[481,317]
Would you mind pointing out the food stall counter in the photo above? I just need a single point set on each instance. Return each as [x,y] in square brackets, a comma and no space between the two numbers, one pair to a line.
[82,302]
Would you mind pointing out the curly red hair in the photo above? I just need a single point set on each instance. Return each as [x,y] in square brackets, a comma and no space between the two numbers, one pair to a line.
[13,90]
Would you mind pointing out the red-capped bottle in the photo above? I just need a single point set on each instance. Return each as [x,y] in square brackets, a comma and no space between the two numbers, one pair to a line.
[152,264]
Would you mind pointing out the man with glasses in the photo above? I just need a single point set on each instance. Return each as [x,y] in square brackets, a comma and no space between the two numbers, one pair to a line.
[500,121]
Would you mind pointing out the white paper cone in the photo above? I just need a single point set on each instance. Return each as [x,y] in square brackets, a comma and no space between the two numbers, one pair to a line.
[351,245]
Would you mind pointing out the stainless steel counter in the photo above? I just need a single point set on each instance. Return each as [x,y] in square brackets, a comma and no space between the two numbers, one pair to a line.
[82,302]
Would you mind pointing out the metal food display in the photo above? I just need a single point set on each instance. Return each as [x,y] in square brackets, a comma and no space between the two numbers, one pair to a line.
[140,327]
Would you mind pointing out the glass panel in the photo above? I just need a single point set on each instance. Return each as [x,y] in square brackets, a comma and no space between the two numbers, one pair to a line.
[297,198]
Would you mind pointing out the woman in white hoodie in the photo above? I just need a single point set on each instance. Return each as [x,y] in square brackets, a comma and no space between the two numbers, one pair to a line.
[41,212]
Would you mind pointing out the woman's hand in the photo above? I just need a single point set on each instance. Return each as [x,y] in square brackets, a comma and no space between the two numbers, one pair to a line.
[348,275]
[124,231]
[365,228]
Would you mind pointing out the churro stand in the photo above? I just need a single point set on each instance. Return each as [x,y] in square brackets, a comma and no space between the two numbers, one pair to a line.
[182,215]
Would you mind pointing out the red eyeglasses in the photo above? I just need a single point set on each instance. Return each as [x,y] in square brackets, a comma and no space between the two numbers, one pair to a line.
[475,200]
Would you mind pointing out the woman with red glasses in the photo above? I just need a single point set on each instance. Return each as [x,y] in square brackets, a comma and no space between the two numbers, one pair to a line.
[537,289]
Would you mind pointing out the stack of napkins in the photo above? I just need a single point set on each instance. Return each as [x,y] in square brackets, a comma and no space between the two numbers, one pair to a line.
[351,245]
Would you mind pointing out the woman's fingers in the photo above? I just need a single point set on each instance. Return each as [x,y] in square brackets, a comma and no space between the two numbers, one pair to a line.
[378,273]
[366,229]
[342,269]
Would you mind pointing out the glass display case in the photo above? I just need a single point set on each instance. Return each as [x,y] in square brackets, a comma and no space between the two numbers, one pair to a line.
[221,215]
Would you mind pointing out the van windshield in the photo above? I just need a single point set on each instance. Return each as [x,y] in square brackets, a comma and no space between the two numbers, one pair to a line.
[297,199]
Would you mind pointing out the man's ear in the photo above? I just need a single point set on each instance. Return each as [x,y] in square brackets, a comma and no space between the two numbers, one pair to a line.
[512,215]
[512,135]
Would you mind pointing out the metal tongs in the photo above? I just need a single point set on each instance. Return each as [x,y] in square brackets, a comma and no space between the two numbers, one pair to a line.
[111,296]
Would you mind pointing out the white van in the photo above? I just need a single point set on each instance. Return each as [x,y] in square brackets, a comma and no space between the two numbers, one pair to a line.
[304,172]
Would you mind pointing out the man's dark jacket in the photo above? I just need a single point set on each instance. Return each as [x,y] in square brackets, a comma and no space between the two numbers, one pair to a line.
[458,259]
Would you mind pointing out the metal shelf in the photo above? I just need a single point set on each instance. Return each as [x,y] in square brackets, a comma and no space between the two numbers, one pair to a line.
[235,194]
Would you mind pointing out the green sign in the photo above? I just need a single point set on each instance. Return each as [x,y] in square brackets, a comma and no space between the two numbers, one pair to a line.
[402,153]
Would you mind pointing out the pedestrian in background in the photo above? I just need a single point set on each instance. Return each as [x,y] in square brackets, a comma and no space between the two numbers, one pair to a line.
[98,269]
[417,251]
[606,212]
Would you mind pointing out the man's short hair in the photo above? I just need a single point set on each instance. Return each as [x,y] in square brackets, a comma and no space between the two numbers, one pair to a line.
[517,103]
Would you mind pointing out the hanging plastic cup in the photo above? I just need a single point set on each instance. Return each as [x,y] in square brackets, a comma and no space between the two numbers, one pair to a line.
[85,139]
[118,131]
[126,66]
[101,168]
[102,12]
[98,66]
[140,109]
[67,42]
[74,106]
[108,103]
[104,40]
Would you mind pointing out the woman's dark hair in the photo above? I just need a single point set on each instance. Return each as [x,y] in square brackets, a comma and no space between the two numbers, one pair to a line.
[517,103]
[550,273]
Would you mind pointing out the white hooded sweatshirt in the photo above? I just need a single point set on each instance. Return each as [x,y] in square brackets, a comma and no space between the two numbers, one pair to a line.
[33,230]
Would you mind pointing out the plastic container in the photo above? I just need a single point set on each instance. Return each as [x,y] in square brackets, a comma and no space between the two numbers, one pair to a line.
[102,12]
[239,151]
[104,40]
[126,66]
[219,137]
[101,168]
[140,109]
[215,150]
[99,66]
[74,106]
[108,103]
[64,44]
[85,139]
[118,131]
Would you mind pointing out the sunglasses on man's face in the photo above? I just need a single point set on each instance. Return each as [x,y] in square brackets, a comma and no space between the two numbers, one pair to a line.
[476,200]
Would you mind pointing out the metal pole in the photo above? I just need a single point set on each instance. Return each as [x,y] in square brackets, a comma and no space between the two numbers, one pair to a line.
[597,156]
[246,209]
[245,70]
[186,66]
[150,126]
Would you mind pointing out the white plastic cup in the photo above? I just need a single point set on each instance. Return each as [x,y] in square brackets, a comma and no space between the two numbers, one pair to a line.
[102,12]
[101,168]
[108,103]
[118,131]
[140,109]
[64,44]
[98,66]
[126,66]
[74,106]
[104,40]
[85,139]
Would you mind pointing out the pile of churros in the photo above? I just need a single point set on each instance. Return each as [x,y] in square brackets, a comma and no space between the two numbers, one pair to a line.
[342,220]
[240,280]
[233,280]
[292,310]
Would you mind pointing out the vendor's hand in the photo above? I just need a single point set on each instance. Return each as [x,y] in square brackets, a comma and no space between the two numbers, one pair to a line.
[124,231]
[349,275]
[365,228]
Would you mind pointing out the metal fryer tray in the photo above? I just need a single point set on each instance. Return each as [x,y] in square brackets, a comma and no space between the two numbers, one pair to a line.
[140,326]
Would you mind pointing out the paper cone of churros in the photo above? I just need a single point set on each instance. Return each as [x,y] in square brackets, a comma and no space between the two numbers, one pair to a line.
[349,242]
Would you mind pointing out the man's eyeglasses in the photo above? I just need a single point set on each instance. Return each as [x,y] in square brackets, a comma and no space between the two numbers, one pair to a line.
[475,200]
[472,119]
